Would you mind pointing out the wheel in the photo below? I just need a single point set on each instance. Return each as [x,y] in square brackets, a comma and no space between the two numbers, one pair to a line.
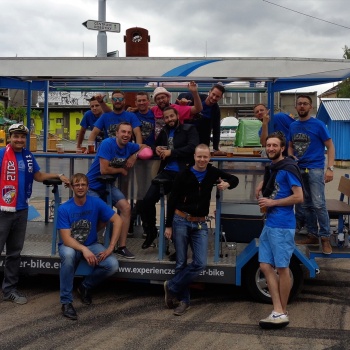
[255,282]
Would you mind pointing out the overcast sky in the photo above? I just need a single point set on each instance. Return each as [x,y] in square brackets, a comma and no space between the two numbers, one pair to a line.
[191,28]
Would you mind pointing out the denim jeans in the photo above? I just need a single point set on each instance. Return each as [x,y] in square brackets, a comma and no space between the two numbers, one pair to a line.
[188,233]
[70,259]
[117,195]
[315,202]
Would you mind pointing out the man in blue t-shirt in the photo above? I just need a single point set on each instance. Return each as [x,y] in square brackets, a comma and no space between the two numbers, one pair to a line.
[79,220]
[114,157]
[88,122]
[108,121]
[308,138]
[280,190]
[208,120]
[280,122]
[18,169]
[146,118]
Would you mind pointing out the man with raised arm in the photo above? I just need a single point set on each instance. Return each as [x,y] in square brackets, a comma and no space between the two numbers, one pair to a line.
[162,98]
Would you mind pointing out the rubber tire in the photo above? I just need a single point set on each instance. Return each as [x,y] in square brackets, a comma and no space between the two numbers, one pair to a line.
[255,283]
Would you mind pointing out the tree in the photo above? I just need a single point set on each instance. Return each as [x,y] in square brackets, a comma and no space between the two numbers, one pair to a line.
[344,86]
[346,52]
[2,110]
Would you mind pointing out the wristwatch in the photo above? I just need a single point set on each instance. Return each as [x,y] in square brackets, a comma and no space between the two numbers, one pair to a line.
[331,168]
[59,175]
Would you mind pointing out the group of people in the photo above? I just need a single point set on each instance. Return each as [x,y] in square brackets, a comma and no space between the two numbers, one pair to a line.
[184,152]
[81,217]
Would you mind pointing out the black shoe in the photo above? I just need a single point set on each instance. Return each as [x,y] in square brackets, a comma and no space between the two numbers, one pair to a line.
[69,311]
[84,295]
[181,309]
[151,236]
[172,257]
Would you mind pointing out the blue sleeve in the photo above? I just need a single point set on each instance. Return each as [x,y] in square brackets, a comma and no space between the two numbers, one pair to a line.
[324,132]
[293,180]
[63,221]
[36,166]
[134,121]
[84,122]
[100,122]
[105,150]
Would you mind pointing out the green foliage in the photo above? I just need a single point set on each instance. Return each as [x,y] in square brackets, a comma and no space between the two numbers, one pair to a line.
[344,86]
[2,110]
[344,89]
[346,52]
[21,112]
[35,113]
[11,112]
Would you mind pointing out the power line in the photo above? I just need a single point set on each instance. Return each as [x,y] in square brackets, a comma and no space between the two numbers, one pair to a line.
[304,14]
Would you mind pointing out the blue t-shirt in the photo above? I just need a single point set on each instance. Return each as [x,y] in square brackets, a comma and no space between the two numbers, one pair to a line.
[116,155]
[21,198]
[88,123]
[282,216]
[147,127]
[281,122]
[109,121]
[172,165]
[308,138]
[83,220]
[200,175]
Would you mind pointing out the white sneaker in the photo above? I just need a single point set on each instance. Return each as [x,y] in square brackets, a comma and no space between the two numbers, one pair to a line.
[274,320]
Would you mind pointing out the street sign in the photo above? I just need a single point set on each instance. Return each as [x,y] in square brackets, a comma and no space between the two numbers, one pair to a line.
[102,26]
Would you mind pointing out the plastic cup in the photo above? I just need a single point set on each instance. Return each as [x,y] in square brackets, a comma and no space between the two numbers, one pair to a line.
[257,152]
[229,152]
[91,147]
[79,151]
[60,148]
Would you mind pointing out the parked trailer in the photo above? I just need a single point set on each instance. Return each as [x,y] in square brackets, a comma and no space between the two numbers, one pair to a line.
[237,265]
[229,261]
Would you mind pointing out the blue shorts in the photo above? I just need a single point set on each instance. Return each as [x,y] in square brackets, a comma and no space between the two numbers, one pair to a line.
[276,246]
[117,195]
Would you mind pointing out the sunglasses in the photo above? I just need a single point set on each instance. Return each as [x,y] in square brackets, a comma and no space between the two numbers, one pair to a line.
[119,99]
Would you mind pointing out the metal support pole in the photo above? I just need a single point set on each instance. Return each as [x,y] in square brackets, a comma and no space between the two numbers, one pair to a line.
[102,36]
[271,104]
[46,116]
[29,104]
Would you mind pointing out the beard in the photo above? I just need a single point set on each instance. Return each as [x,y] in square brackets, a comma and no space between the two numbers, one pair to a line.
[303,114]
[274,156]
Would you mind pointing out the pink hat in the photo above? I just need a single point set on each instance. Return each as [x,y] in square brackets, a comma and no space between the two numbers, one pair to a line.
[146,153]
[160,90]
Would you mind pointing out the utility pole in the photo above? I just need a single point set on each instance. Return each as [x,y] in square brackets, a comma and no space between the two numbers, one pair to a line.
[102,36]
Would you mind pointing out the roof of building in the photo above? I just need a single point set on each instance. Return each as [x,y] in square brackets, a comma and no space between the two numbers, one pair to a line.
[336,109]
[284,73]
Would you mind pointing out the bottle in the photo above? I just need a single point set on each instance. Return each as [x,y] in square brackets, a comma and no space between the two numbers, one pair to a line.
[341,239]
